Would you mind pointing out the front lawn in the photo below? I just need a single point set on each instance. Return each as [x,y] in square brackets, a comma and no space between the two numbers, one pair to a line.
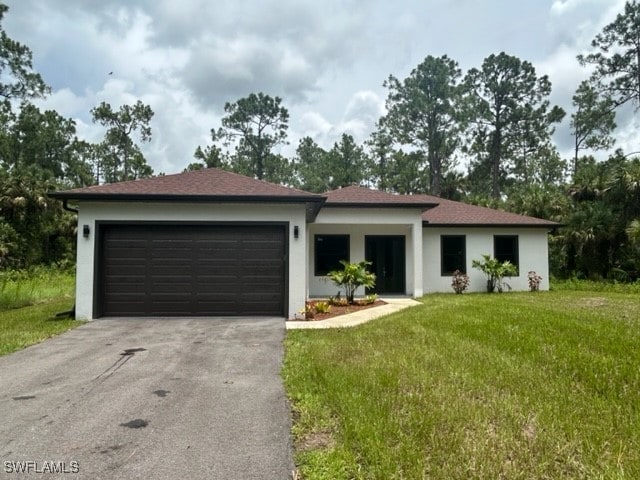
[25,326]
[20,288]
[519,385]
[29,302]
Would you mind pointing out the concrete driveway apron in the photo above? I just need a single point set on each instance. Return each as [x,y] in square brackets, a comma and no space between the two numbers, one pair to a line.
[148,398]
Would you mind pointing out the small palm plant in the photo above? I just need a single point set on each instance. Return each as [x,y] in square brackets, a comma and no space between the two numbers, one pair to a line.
[495,270]
[352,276]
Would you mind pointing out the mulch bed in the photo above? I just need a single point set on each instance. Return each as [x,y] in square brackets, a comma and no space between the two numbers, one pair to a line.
[337,310]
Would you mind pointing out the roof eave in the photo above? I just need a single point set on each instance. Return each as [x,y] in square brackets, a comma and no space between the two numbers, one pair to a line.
[313,203]
[549,226]
[163,197]
[421,206]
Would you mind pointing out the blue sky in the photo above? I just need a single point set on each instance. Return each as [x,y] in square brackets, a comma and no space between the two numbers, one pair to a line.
[327,60]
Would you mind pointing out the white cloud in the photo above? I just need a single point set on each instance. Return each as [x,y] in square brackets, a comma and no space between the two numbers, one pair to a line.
[358,119]
[327,60]
[576,22]
[314,125]
[365,104]
[559,7]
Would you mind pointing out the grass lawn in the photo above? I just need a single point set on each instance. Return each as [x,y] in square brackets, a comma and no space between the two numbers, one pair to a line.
[518,385]
[23,288]
[28,306]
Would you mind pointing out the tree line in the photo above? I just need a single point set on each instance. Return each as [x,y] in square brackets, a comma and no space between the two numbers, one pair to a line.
[483,136]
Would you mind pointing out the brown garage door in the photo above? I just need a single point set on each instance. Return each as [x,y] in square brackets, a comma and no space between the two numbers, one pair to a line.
[181,270]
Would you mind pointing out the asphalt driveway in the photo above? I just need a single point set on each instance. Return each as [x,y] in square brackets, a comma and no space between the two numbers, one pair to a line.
[160,398]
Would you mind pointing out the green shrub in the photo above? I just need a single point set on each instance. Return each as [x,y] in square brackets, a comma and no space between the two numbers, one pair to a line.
[352,276]
[459,281]
[337,301]
[322,307]
[369,299]
[534,281]
[495,271]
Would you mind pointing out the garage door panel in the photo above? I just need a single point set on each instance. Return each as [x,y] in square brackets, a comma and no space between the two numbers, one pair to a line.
[262,272]
[170,299]
[165,288]
[171,310]
[226,285]
[217,245]
[125,281]
[258,307]
[213,266]
[183,249]
[126,288]
[211,301]
[247,268]
[257,256]
[217,278]
[216,270]
[221,291]
[170,270]
[127,253]
[275,263]
[124,270]
[264,283]
[168,254]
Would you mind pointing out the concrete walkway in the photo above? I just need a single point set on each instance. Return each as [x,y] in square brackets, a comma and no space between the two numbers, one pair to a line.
[356,318]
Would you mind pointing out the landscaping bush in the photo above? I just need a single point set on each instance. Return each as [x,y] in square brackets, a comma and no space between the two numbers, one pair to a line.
[352,276]
[459,281]
[534,281]
[495,271]
[322,307]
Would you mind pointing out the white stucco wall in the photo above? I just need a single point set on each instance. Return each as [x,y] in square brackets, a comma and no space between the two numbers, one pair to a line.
[533,255]
[90,212]
[358,223]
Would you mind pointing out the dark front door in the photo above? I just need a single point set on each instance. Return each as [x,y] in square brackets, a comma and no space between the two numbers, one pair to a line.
[386,253]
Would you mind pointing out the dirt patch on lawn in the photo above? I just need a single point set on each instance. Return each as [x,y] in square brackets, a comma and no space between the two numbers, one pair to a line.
[591,302]
[315,441]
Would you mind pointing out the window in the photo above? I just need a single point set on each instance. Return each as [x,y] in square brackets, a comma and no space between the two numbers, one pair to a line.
[454,257]
[330,249]
[505,247]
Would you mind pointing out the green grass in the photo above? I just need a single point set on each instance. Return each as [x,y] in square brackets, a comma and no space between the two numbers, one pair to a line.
[517,386]
[29,302]
[593,286]
[22,288]
[25,326]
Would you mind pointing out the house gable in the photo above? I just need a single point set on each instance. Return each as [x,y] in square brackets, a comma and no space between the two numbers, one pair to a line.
[210,185]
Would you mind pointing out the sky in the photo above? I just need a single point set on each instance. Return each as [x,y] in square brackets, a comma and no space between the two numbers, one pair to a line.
[326,59]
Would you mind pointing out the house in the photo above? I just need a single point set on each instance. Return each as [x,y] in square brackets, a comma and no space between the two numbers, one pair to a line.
[215,243]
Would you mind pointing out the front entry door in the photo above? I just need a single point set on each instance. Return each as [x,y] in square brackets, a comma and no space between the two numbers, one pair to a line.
[386,253]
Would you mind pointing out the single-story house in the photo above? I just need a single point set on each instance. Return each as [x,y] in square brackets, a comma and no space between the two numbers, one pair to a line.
[215,243]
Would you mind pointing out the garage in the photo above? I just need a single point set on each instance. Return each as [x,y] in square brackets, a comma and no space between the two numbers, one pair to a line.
[191,270]
[205,242]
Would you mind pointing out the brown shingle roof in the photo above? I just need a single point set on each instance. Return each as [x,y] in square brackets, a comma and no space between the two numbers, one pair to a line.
[450,213]
[208,183]
[213,184]
[438,211]
[355,196]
